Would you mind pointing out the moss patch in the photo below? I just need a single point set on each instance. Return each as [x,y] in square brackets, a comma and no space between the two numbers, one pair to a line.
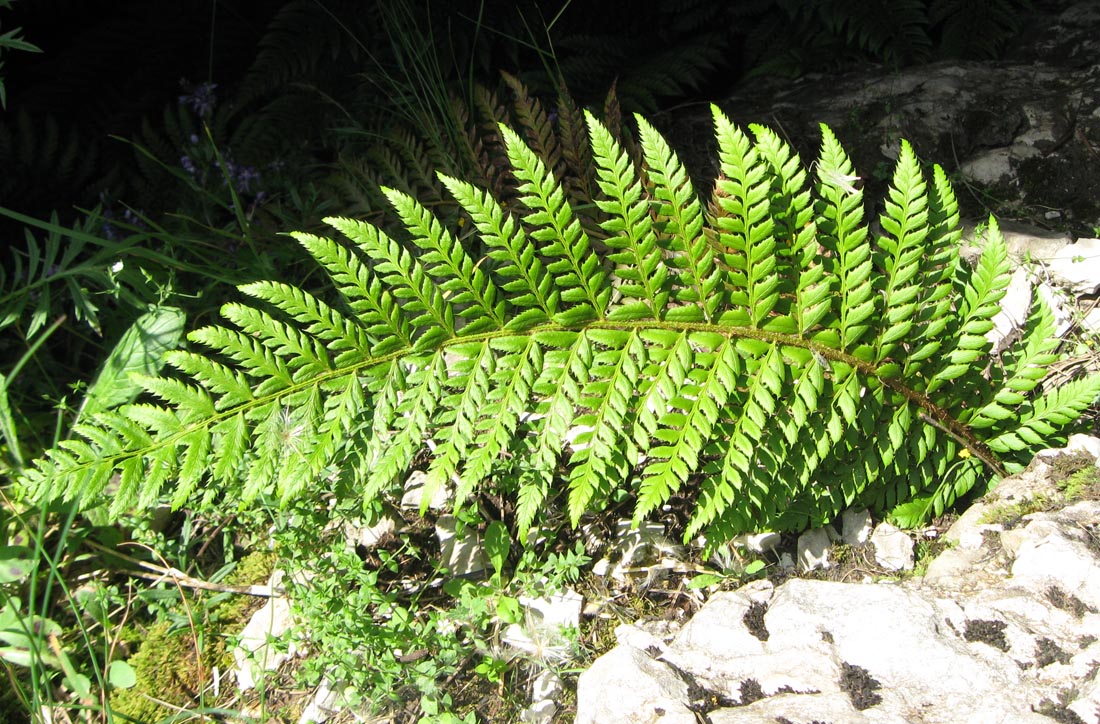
[172,667]
[1068,602]
[169,669]
[860,686]
[1076,477]
[1047,652]
[754,620]
[987,632]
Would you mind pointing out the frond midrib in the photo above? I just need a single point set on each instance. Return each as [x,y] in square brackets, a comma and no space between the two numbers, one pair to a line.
[942,417]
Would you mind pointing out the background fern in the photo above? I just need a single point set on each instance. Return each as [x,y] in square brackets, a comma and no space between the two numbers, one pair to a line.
[770,358]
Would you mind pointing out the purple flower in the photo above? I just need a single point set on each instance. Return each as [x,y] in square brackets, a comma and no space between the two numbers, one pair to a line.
[201,99]
[244,177]
[188,165]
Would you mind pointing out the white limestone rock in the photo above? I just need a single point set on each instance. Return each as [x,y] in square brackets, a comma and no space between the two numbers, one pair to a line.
[547,619]
[893,548]
[1062,307]
[759,542]
[545,690]
[256,651]
[835,708]
[1013,312]
[626,685]
[463,555]
[414,493]
[1077,266]
[369,536]
[638,551]
[322,705]
[1005,620]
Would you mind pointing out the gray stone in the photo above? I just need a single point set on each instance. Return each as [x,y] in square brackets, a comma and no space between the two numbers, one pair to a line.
[813,549]
[855,527]
[1023,129]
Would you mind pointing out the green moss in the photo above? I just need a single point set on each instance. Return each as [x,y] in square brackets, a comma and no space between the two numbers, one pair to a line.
[926,551]
[1010,514]
[252,570]
[1084,484]
[171,667]
[169,670]
[1076,477]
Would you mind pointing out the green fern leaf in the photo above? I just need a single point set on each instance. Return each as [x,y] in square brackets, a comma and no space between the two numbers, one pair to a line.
[768,358]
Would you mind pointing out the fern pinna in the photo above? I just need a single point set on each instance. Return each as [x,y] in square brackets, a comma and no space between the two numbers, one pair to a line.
[769,356]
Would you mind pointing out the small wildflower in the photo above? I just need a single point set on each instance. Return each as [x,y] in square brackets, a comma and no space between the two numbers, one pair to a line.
[117,267]
[446,626]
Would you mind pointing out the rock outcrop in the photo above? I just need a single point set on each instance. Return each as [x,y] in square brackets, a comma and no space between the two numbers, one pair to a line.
[1003,626]
[1023,133]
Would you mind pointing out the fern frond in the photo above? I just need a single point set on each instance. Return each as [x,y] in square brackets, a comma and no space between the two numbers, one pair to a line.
[975,29]
[770,358]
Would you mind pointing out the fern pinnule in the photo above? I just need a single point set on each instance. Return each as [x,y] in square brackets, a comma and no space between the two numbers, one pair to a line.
[530,284]
[576,151]
[841,232]
[362,292]
[639,266]
[339,333]
[577,271]
[937,269]
[905,223]
[536,125]
[458,276]
[407,278]
[745,240]
[680,223]
[976,308]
